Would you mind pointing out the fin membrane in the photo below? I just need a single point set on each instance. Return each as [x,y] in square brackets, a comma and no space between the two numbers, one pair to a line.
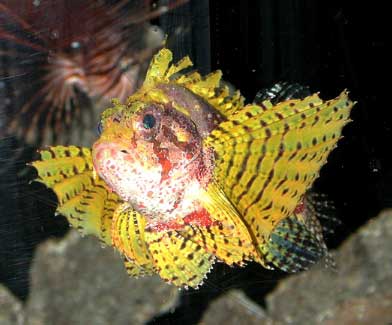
[128,237]
[282,91]
[208,87]
[178,259]
[172,254]
[228,237]
[293,247]
[82,197]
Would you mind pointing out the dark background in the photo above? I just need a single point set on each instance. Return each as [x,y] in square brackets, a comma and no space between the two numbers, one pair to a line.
[326,45]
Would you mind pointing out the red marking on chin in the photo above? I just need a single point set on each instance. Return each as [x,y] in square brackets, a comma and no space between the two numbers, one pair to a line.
[200,217]
[171,225]
[299,208]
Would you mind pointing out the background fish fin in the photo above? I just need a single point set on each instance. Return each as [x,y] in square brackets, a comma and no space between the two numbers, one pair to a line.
[128,237]
[82,197]
[178,260]
[268,156]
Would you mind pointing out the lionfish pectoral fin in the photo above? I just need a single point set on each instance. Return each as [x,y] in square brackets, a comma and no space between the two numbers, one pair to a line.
[267,156]
[134,270]
[82,197]
[170,253]
[128,236]
[227,237]
[178,259]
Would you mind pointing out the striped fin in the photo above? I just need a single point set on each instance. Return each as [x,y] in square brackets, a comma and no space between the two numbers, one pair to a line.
[178,260]
[128,237]
[228,237]
[135,270]
[159,66]
[83,198]
[317,209]
[208,87]
[268,156]
[293,246]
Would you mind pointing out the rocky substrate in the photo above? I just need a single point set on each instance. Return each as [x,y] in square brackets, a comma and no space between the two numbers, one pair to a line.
[75,281]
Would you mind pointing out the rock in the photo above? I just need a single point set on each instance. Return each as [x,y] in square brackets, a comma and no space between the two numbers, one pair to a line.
[75,281]
[11,312]
[359,292]
[374,309]
[234,308]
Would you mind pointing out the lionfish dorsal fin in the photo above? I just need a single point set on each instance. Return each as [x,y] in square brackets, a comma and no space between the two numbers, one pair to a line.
[209,87]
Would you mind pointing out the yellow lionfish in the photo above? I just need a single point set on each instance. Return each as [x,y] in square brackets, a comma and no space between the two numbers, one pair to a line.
[184,174]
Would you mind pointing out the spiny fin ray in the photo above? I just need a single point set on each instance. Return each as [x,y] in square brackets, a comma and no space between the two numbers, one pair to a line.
[292,247]
[128,232]
[83,198]
[178,259]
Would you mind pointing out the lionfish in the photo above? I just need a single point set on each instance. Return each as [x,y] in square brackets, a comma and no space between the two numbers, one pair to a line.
[59,55]
[184,174]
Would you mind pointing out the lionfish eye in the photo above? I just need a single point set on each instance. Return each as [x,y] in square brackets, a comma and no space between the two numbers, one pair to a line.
[149,121]
[99,128]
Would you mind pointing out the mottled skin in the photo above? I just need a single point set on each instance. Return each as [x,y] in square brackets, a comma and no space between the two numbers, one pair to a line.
[160,170]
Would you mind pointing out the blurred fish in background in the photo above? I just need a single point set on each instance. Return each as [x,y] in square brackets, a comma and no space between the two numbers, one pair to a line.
[60,58]
[61,62]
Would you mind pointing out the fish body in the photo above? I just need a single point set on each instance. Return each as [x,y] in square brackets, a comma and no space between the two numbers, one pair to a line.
[184,173]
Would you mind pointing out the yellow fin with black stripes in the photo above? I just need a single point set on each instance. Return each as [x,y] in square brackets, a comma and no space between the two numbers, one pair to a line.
[178,259]
[227,237]
[83,198]
[267,156]
[208,87]
[128,228]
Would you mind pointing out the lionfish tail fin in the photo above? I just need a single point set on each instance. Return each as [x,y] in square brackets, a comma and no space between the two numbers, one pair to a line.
[293,247]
